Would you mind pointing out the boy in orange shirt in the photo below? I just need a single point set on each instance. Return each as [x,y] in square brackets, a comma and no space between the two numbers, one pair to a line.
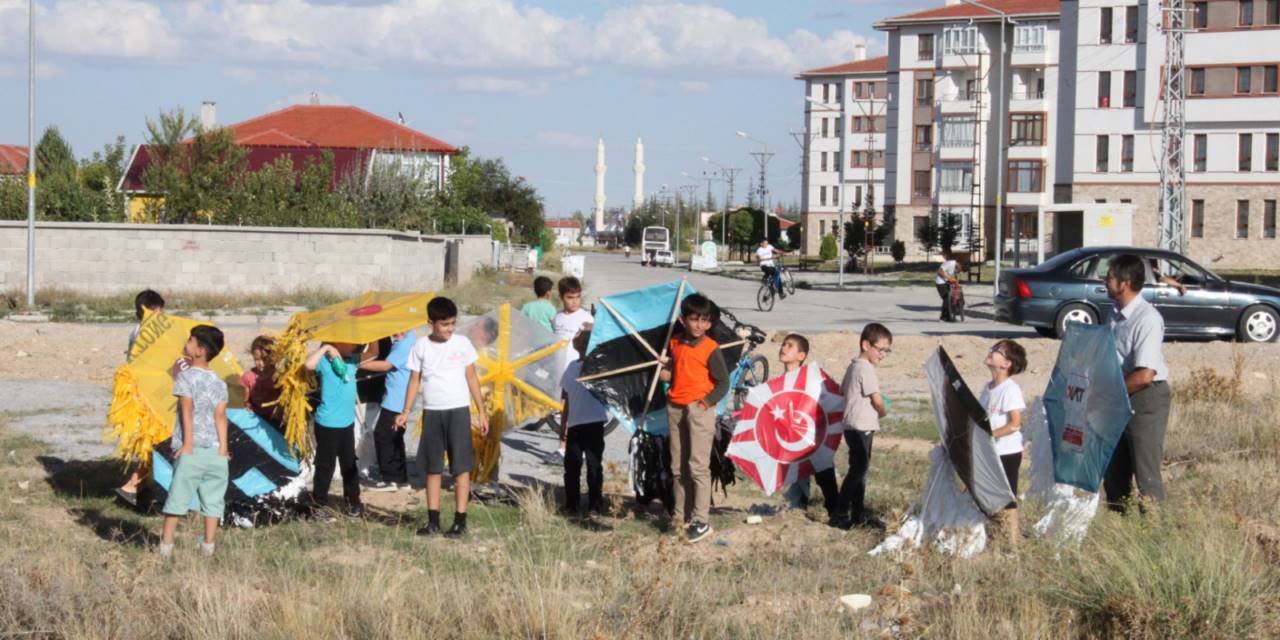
[699,379]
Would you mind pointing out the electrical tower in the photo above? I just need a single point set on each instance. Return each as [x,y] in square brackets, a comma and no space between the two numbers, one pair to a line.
[1173,172]
[763,158]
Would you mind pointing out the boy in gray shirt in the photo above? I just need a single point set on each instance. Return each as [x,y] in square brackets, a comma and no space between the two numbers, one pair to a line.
[199,441]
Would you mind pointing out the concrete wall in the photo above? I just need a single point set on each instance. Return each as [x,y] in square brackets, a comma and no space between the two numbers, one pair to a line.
[109,258]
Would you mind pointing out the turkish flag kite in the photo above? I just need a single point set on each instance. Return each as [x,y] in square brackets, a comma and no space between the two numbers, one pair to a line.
[789,429]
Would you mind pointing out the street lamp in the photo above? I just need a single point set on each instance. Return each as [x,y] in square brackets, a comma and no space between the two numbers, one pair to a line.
[31,154]
[840,253]
[1005,21]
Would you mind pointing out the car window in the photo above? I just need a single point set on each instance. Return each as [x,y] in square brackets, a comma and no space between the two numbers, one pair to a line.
[1083,269]
[1100,267]
[1182,271]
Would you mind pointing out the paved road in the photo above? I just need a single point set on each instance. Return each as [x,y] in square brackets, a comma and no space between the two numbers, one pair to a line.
[905,310]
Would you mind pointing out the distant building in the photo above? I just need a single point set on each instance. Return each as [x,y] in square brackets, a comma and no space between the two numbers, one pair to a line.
[13,162]
[358,140]
[567,231]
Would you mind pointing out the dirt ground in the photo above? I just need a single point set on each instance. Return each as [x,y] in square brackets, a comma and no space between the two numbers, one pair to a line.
[89,353]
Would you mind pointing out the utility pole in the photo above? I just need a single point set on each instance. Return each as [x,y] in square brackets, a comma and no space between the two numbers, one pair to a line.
[762,158]
[31,153]
[1173,171]
[689,190]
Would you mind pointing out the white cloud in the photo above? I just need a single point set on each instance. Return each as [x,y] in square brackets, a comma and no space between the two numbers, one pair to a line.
[695,86]
[565,140]
[243,75]
[493,84]
[20,70]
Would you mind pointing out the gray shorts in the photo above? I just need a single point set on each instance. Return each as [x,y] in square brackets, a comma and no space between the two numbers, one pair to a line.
[446,430]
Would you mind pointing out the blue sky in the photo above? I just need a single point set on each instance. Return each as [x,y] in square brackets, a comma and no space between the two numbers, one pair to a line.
[534,83]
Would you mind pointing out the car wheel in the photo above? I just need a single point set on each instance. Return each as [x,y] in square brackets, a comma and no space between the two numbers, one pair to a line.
[1074,312]
[1258,324]
[1044,331]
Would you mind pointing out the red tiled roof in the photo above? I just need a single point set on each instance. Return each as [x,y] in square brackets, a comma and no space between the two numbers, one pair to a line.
[345,161]
[13,159]
[870,65]
[963,10]
[333,127]
[562,223]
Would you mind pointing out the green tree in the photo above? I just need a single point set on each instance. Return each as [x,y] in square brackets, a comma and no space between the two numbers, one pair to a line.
[196,177]
[13,200]
[828,249]
[59,195]
[927,235]
[479,187]
[99,176]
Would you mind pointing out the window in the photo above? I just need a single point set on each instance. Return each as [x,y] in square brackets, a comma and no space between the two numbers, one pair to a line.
[1273,12]
[1126,154]
[924,46]
[920,184]
[1245,153]
[1269,77]
[1201,152]
[1197,82]
[857,196]
[1104,31]
[1131,24]
[955,177]
[857,123]
[1026,129]
[1244,79]
[826,92]
[1273,152]
[861,90]
[924,91]
[959,39]
[1268,218]
[1028,38]
[1200,17]
[1197,218]
[957,131]
[1102,153]
[822,196]
[1246,13]
[835,196]
[1104,89]
[1242,218]
[924,137]
[822,155]
[1131,88]
[824,127]
[855,158]
[822,228]
[1025,176]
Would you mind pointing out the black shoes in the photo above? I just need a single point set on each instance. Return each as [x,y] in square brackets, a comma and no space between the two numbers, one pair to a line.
[355,510]
[458,530]
[697,531]
[430,530]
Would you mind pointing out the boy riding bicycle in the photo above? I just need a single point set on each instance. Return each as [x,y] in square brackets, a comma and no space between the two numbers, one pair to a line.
[765,255]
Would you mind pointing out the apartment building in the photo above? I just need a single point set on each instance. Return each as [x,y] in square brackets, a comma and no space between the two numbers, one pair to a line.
[844,144]
[1109,147]
[963,77]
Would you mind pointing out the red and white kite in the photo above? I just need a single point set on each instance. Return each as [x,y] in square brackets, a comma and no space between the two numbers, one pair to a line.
[789,429]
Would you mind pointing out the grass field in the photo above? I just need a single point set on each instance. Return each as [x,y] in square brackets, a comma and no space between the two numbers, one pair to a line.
[1206,564]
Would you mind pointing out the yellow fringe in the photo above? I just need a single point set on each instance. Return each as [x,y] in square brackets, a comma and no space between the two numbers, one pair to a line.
[131,421]
[289,354]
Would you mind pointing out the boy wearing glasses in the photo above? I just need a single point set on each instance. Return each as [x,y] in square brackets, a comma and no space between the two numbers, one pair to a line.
[1002,398]
[863,408]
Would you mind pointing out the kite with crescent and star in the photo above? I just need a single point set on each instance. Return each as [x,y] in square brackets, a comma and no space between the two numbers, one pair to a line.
[789,428]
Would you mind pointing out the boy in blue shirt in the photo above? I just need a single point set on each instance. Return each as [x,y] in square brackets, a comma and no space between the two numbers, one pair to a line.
[388,439]
[335,423]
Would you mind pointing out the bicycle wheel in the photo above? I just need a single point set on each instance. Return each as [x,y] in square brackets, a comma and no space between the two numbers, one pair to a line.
[764,297]
[788,283]
[755,373]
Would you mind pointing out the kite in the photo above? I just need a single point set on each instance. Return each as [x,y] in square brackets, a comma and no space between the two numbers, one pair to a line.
[368,318]
[265,478]
[789,428]
[627,338]
[143,408]
[519,368]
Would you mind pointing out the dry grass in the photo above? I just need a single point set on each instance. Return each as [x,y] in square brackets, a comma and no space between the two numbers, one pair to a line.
[64,305]
[1207,564]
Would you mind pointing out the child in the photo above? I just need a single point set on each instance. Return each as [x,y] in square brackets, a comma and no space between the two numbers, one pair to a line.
[388,439]
[541,310]
[259,384]
[943,280]
[1002,398]
[199,441]
[370,389]
[335,423]
[150,301]
[699,379]
[572,318]
[444,366]
[792,354]
[863,409]
[583,421]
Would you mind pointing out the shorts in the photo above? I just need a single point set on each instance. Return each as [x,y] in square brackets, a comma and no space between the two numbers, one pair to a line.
[201,474]
[446,430]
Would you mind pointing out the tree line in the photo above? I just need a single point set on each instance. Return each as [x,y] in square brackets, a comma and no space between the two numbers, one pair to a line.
[203,176]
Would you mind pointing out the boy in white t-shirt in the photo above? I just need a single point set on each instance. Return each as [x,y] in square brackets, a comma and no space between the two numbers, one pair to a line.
[444,366]
[943,279]
[582,427]
[1002,398]
[764,256]
[571,318]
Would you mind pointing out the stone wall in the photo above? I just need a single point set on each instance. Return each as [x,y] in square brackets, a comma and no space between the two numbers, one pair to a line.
[111,258]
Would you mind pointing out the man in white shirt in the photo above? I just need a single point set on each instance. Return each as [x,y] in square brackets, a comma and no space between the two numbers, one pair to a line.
[764,255]
[943,279]
[1139,333]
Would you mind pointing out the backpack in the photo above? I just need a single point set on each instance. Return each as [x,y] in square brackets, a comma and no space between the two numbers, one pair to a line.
[651,470]
[723,472]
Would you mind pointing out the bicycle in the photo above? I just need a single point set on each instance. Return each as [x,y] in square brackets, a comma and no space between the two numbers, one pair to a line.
[752,368]
[769,291]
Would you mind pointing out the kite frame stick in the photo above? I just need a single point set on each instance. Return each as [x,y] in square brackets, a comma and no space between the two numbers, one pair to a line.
[627,369]
[630,329]
[671,326]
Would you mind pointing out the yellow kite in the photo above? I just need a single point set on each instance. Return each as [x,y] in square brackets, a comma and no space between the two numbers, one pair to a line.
[368,318]
[143,409]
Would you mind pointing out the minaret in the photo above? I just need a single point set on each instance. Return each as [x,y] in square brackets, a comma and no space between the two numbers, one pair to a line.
[637,200]
[600,169]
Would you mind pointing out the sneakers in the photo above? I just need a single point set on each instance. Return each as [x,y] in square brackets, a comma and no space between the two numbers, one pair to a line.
[456,531]
[165,550]
[381,486]
[430,529]
[128,497]
[355,510]
[206,549]
[697,531]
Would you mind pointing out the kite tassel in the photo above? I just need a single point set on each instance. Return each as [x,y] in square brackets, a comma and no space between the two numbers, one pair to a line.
[130,421]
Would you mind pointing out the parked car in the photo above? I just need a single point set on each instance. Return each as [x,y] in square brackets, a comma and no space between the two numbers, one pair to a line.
[664,258]
[1069,288]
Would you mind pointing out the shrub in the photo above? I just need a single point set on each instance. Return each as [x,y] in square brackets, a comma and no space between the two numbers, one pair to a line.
[898,250]
[828,249]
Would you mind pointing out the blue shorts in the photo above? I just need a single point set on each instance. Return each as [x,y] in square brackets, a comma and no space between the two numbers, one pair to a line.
[200,474]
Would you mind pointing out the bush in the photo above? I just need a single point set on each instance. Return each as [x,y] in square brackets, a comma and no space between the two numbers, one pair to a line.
[828,249]
[898,250]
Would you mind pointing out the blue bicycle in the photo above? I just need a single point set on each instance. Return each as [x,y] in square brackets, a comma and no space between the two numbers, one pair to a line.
[752,368]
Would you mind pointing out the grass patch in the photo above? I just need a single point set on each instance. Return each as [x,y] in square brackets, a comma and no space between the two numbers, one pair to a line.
[910,418]
[63,305]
